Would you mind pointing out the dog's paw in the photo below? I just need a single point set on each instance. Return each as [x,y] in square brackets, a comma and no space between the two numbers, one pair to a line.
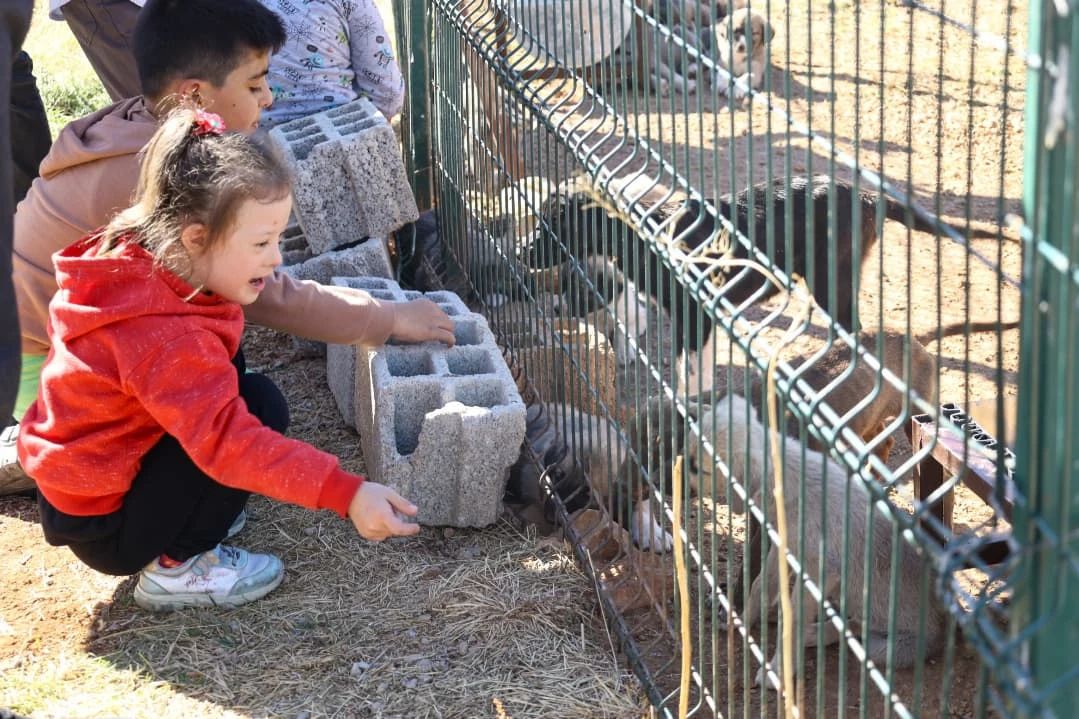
[761,679]
[690,87]
[646,532]
[692,70]
[661,86]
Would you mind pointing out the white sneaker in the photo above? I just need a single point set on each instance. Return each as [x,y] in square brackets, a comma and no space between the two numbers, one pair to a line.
[13,478]
[223,576]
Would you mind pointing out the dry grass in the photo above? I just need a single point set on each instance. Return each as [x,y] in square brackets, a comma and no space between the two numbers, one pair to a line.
[435,626]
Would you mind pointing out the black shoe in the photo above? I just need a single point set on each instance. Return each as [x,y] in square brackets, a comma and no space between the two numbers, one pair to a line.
[13,480]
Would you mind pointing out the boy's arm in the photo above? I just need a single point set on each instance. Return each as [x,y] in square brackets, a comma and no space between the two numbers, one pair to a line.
[342,315]
[378,76]
[325,313]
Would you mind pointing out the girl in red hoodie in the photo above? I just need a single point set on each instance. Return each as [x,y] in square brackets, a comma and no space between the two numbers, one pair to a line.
[148,435]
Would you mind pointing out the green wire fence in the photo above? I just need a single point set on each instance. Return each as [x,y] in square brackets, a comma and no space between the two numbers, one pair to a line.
[834,285]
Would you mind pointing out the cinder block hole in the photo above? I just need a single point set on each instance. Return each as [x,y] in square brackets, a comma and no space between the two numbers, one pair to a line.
[408,417]
[469,361]
[300,128]
[412,295]
[302,148]
[441,296]
[355,128]
[467,333]
[347,110]
[291,244]
[449,309]
[409,364]
[481,395]
[384,295]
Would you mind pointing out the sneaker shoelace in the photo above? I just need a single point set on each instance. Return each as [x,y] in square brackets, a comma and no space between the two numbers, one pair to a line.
[228,556]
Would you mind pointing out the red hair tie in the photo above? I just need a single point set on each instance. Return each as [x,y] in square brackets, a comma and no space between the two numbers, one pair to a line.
[207,123]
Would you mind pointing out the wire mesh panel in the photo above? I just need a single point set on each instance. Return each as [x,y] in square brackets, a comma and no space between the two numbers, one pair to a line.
[758,268]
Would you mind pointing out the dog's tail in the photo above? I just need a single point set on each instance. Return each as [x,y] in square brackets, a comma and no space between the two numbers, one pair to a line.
[958,328]
[899,212]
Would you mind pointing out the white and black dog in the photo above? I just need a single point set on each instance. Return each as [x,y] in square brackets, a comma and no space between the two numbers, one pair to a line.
[740,42]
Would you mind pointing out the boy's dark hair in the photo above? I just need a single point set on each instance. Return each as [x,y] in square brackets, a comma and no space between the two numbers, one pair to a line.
[205,39]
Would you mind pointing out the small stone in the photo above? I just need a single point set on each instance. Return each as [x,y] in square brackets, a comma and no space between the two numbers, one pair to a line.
[448,532]
[310,531]
[411,683]
[411,633]
[358,669]
[469,552]
[424,665]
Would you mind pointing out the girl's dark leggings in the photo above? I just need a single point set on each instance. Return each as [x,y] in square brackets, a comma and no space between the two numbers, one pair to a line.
[172,507]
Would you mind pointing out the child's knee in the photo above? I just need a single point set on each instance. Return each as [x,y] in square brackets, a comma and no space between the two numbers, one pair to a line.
[265,401]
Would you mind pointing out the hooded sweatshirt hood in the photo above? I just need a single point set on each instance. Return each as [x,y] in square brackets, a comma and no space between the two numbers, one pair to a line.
[128,285]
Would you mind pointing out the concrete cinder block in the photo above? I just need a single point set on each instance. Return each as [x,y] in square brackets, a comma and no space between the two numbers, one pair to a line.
[441,425]
[350,180]
[367,259]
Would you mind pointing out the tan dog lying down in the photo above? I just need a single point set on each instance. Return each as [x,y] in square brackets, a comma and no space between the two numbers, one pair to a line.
[826,484]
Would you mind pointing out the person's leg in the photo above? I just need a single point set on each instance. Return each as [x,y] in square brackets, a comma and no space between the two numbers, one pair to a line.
[172,508]
[14,22]
[13,480]
[104,29]
[30,138]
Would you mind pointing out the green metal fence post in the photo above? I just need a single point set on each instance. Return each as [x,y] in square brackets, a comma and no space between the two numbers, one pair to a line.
[414,50]
[1047,473]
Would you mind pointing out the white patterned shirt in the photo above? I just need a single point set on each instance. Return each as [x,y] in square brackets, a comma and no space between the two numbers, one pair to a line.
[337,50]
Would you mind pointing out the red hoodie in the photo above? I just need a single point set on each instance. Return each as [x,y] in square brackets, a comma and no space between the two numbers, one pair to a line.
[131,359]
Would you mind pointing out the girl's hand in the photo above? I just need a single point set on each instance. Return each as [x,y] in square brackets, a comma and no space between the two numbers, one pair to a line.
[372,512]
[421,320]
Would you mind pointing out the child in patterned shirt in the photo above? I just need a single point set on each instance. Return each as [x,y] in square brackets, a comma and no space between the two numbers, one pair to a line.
[337,51]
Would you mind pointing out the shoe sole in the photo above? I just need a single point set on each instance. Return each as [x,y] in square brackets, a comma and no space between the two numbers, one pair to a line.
[173,602]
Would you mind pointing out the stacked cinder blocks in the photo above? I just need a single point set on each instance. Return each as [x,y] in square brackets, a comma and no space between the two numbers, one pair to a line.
[441,425]
[350,181]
